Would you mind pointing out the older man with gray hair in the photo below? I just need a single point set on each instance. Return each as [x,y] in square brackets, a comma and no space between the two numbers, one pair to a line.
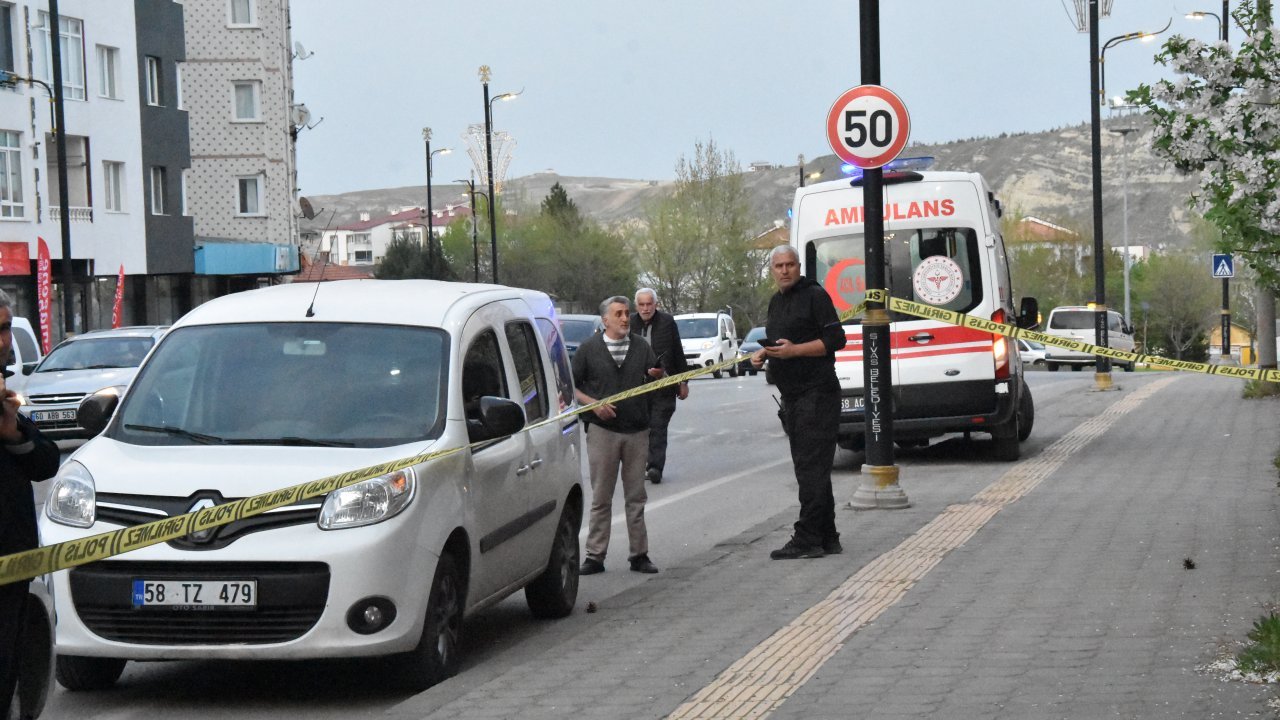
[606,364]
[659,328]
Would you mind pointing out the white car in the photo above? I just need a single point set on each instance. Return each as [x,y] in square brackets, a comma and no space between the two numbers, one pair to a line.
[708,339]
[262,390]
[1076,322]
[1031,352]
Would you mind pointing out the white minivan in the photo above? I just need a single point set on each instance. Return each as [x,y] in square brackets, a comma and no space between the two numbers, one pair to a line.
[266,389]
[1076,322]
[708,339]
[943,248]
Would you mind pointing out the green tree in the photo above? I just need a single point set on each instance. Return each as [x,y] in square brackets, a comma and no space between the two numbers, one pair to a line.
[1181,308]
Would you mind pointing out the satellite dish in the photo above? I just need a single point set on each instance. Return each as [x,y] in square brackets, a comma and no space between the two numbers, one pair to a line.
[308,212]
[300,52]
[301,115]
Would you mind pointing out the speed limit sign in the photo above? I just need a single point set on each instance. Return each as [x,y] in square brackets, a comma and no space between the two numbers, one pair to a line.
[868,126]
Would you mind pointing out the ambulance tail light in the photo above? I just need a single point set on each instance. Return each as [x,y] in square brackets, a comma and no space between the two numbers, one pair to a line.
[1000,348]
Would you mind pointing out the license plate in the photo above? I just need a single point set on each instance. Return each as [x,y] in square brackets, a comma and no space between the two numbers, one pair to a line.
[851,403]
[195,593]
[48,415]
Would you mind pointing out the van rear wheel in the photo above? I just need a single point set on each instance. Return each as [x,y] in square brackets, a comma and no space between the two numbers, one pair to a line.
[716,373]
[555,591]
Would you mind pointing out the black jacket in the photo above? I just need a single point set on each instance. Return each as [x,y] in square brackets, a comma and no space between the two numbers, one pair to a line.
[664,337]
[17,501]
[802,314]
[596,374]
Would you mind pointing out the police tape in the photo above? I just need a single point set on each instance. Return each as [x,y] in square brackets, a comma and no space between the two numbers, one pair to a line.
[957,318]
[81,551]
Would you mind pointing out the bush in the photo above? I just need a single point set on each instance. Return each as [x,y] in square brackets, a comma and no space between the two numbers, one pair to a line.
[1262,655]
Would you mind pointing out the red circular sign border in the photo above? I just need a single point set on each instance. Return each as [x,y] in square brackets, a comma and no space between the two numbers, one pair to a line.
[890,97]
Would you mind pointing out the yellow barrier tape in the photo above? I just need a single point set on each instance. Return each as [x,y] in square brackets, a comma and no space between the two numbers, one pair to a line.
[61,556]
[956,318]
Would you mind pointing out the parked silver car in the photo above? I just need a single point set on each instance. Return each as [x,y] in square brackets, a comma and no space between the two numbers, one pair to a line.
[79,366]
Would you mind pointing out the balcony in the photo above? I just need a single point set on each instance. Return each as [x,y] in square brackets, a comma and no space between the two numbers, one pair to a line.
[74,214]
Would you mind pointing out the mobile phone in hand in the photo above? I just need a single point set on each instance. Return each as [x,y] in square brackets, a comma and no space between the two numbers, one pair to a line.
[658,363]
[766,342]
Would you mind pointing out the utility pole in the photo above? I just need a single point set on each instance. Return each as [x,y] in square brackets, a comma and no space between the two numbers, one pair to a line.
[60,141]
[1102,377]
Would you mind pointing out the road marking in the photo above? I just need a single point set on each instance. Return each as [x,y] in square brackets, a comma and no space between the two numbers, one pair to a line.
[621,518]
[759,682]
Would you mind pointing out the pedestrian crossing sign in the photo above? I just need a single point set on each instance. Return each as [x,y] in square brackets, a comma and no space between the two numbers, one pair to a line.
[1224,266]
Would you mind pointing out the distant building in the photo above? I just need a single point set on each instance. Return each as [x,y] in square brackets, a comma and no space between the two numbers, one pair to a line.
[755,166]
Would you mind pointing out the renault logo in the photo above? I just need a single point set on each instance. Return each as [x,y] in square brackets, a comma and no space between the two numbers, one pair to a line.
[200,536]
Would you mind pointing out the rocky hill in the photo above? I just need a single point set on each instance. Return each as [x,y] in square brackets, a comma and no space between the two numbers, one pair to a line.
[1045,174]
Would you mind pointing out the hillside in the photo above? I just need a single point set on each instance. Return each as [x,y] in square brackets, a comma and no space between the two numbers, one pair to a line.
[1045,174]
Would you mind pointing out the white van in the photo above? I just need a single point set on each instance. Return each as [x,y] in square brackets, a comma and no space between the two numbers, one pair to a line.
[26,349]
[942,247]
[708,339]
[266,389]
[1076,322]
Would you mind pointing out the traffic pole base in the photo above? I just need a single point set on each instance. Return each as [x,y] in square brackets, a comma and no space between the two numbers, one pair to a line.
[1103,383]
[879,490]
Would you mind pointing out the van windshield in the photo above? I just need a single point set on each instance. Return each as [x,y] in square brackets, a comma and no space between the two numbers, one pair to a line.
[837,263]
[696,328]
[345,385]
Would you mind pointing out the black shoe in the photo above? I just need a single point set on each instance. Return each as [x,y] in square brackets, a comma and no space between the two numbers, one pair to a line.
[641,564]
[654,475]
[591,566]
[832,546]
[794,550]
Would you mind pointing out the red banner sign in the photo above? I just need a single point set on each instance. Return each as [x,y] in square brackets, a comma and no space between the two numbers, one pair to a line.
[118,306]
[15,258]
[44,292]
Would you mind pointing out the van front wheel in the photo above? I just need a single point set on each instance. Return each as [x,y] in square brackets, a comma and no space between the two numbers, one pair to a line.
[716,373]
[436,657]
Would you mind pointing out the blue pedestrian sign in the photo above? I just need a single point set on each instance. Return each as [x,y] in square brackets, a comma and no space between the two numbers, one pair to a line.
[1224,266]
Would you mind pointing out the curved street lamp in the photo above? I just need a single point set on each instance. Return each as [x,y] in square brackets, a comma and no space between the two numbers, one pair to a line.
[1222,20]
[431,230]
[1102,57]
[484,73]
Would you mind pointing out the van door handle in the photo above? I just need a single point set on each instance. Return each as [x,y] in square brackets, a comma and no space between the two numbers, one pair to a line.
[921,337]
[537,463]
[522,470]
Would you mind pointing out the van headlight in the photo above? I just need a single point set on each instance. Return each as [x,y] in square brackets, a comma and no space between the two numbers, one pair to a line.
[72,498]
[369,501]
[707,344]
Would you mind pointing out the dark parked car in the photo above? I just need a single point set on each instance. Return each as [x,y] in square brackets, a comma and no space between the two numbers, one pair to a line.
[750,344]
[576,328]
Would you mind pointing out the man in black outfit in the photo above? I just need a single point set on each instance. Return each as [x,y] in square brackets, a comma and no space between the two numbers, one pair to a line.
[803,334]
[26,456]
[660,330]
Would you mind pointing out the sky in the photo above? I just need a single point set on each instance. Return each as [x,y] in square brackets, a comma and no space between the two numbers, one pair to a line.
[625,89]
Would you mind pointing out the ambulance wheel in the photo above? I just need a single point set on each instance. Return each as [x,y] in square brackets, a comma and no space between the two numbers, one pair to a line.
[87,673]
[1129,366]
[1004,441]
[1026,413]
[1051,366]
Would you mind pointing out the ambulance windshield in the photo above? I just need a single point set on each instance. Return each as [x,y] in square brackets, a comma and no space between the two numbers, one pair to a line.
[950,258]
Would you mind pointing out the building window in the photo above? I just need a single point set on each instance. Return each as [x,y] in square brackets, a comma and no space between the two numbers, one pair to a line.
[158,204]
[360,257]
[113,183]
[249,195]
[6,37]
[247,97]
[177,81]
[10,174]
[155,94]
[108,72]
[71,45]
[183,198]
[243,13]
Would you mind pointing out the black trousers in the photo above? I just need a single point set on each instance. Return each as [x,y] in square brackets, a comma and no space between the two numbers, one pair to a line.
[12,617]
[662,406]
[812,420]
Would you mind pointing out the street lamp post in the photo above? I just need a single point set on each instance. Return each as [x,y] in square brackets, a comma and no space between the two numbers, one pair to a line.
[475,244]
[431,230]
[1102,376]
[488,159]
[1124,184]
[807,176]
[1101,91]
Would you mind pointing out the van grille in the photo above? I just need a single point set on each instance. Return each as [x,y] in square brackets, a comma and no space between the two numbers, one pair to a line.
[291,599]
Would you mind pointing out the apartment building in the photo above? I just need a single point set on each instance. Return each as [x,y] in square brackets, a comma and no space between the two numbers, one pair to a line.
[240,190]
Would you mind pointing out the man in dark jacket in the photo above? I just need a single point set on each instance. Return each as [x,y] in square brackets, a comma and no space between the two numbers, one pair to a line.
[26,456]
[660,330]
[606,364]
[803,333]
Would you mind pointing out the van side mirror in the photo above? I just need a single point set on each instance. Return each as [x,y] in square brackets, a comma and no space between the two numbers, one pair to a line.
[1029,314]
[28,368]
[95,411]
[496,417]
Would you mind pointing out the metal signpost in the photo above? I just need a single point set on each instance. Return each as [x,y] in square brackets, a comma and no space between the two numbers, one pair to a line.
[868,126]
[1224,267]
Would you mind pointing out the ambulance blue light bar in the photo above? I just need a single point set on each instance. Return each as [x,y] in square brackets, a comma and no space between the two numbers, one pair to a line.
[897,171]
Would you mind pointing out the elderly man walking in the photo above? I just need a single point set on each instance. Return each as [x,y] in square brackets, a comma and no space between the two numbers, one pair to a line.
[659,328]
[606,364]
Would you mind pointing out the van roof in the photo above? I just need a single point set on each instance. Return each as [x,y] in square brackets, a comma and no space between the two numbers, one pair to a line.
[427,303]
[926,176]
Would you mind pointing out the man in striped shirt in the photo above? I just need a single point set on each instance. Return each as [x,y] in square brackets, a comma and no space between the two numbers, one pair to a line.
[606,364]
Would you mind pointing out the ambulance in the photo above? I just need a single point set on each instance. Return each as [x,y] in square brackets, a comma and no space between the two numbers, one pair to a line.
[943,248]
